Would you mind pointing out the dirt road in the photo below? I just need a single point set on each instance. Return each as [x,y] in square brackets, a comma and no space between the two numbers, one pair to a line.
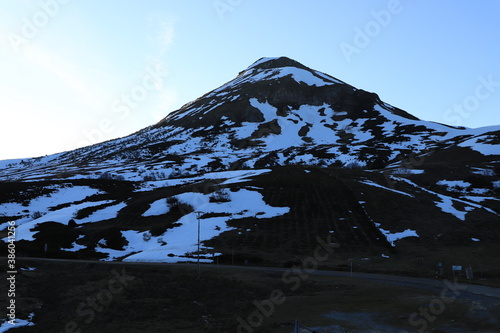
[467,288]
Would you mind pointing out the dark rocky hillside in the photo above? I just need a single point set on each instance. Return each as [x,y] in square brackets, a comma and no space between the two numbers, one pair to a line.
[267,163]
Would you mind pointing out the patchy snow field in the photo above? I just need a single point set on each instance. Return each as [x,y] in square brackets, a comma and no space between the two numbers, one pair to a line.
[182,240]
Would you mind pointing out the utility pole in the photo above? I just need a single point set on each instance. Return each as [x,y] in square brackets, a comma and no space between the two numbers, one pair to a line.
[198,214]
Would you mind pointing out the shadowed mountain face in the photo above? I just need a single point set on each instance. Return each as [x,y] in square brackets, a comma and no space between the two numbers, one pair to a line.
[271,160]
[285,85]
[276,112]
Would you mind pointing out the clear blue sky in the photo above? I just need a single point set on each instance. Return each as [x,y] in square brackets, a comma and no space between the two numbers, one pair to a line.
[73,72]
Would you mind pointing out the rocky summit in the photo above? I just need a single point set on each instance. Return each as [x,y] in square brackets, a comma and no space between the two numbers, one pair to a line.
[268,164]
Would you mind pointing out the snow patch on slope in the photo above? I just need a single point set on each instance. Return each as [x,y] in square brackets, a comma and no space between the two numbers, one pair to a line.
[369,182]
[24,231]
[393,237]
[446,203]
[159,207]
[182,240]
[110,212]
[483,148]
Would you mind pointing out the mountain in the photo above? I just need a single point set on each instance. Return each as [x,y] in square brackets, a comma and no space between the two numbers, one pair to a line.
[266,163]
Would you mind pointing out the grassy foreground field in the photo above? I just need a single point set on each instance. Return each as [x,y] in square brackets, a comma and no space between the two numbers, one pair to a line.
[118,297]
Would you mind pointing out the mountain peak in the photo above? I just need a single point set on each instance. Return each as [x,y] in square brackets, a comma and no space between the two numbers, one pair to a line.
[276,62]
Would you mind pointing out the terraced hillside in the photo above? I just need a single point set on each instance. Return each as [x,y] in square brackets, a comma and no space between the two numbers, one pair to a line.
[321,206]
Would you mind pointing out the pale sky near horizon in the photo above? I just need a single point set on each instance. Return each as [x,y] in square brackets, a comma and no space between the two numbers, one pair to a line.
[75,72]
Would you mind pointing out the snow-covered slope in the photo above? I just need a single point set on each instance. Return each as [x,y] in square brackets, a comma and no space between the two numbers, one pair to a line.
[275,114]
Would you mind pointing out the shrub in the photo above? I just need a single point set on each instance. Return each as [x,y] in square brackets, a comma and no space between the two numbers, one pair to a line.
[220,196]
[146,236]
[36,215]
[109,176]
[176,205]
[152,176]
[173,202]
[353,165]
[106,175]
[177,173]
